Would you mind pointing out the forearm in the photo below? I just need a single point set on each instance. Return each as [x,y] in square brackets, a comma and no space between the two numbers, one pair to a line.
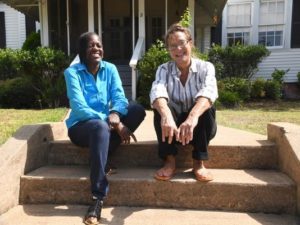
[202,104]
[161,105]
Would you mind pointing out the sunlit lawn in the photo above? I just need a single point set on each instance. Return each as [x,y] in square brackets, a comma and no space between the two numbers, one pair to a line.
[12,119]
[254,117]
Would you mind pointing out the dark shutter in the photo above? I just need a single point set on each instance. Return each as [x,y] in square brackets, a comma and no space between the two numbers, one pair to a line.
[2,30]
[295,40]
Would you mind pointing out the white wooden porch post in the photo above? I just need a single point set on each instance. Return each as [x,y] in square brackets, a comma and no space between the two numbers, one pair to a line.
[91,24]
[43,10]
[191,5]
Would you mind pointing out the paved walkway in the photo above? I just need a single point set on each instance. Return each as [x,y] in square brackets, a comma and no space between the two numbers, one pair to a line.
[225,136]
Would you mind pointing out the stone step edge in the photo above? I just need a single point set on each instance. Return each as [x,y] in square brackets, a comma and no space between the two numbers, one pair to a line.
[258,143]
[74,214]
[221,176]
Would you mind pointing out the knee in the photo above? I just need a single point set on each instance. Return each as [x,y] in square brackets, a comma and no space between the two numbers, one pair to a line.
[100,126]
[137,110]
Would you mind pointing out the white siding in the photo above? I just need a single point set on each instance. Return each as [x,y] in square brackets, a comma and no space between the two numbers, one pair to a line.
[15,27]
[282,59]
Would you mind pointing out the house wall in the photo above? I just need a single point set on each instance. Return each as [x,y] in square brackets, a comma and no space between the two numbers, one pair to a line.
[15,27]
[281,57]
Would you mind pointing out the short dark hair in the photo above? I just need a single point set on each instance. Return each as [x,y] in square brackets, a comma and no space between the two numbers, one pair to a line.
[175,28]
[83,45]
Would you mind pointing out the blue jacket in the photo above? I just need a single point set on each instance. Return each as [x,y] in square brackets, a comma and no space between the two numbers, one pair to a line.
[90,99]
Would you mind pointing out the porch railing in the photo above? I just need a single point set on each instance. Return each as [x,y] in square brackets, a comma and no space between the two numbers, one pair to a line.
[137,54]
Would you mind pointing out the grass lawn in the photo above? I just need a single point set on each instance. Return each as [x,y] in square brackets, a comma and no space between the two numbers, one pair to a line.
[12,119]
[255,116]
[252,117]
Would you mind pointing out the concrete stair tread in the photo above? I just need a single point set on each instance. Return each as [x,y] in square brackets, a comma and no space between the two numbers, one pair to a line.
[73,215]
[221,176]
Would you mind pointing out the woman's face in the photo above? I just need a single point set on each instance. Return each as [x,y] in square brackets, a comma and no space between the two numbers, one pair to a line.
[180,49]
[94,52]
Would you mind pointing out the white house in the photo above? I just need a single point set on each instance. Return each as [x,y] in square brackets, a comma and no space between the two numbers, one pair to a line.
[14,27]
[273,23]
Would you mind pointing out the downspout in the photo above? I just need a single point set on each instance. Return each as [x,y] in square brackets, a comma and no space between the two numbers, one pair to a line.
[133,26]
[68,27]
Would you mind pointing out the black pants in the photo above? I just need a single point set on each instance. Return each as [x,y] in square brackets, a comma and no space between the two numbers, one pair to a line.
[204,131]
[96,135]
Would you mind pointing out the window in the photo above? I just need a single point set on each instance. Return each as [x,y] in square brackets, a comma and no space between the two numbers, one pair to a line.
[239,24]
[157,27]
[271,22]
[238,38]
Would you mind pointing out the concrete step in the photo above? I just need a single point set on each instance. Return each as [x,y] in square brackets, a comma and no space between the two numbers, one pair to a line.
[259,156]
[234,190]
[73,215]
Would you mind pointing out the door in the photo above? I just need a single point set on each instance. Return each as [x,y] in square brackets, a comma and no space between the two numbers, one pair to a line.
[117,31]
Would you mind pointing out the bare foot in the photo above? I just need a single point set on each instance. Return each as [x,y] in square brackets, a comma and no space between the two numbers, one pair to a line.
[168,170]
[201,173]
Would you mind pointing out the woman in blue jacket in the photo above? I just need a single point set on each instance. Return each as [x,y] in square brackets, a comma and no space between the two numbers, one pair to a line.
[100,117]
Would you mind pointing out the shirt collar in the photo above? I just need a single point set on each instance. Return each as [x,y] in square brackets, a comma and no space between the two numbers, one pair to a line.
[193,68]
[81,66]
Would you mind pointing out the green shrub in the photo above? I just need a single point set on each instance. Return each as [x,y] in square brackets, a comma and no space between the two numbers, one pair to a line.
[9,63]
[32,41]
[273,89]
[229,98]
[147,65]
[44,67]
[237,60]
[298,76]
[258,88]
[237,85]
[17,93]
[278,75]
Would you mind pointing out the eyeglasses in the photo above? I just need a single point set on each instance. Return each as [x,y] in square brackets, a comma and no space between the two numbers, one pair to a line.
[180,45]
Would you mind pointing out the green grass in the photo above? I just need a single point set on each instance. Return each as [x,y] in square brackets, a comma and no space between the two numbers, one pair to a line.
[254,117]
[12,119]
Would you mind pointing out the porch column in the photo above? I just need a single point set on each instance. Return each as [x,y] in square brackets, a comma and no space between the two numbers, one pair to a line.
[99,18]
[191,5]
[43,11]
[91,24]
[142,24]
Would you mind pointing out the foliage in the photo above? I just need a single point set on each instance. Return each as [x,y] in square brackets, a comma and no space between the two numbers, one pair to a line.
[32,41]
[236,85]
[155,56]
[9,63]
[237,60]
[44,67]
[186,19]
[17,93]
[298,76]
[258,88]
[278,75]
[229,99]
[273,89]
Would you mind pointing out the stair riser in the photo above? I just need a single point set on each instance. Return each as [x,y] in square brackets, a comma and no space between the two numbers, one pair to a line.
[233,157]
[210,196]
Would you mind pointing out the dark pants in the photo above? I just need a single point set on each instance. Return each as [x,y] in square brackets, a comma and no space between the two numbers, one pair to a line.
[96,135]
[203,133]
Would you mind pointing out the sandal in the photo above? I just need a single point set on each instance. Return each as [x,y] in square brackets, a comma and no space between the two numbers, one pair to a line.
[93,214]
[204,177]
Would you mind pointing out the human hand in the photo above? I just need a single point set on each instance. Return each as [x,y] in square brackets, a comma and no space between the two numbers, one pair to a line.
[113,120]
[186,130]
[125,133]
[168,129]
